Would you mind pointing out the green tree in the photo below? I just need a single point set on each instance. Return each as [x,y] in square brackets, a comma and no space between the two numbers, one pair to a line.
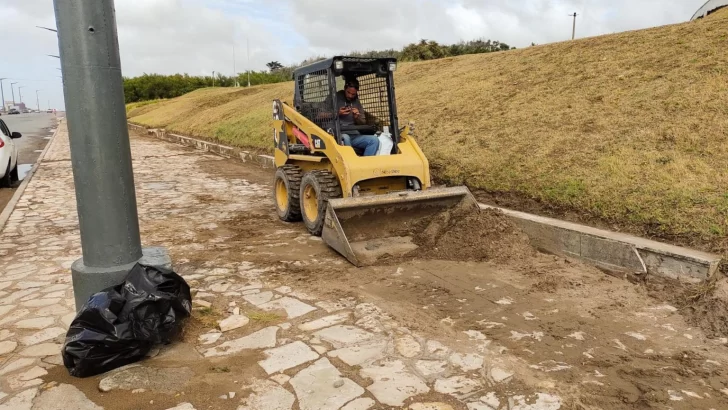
[274,65]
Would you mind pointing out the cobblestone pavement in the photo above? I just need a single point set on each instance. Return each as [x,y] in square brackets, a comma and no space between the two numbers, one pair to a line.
[259,337]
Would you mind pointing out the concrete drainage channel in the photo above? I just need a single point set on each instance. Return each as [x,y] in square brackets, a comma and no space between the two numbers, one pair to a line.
[611,251]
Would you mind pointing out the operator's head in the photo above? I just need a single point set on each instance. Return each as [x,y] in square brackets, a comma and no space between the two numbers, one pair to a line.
[351,88]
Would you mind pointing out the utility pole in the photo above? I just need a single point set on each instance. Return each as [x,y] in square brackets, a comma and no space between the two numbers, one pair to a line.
[37,99]
[100,148]
[573,28]
[13,91]
[247,46]
[2,92]
[235,70]
[20,94]
[213,79]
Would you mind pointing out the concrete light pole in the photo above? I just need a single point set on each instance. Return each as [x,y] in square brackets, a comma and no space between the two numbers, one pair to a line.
[20,94]
[100,148]
[37,99]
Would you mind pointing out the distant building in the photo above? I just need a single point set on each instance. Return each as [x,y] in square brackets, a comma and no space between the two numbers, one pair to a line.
[709,7]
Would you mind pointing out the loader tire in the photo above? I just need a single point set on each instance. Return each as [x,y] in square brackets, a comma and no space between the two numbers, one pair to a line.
[317,187]
[286,193]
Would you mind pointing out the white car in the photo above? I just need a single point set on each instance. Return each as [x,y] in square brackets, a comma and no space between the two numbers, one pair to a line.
[8,156]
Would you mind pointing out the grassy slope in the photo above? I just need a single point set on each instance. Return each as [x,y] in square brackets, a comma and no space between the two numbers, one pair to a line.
[240,117]
[631,127]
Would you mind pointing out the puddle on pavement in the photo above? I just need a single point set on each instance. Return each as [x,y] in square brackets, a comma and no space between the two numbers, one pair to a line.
[23,170]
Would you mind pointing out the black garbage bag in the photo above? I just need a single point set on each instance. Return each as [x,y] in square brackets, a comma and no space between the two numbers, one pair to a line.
[119,325]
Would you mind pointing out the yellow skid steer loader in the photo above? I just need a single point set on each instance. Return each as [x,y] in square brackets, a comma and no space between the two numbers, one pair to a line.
[365,207]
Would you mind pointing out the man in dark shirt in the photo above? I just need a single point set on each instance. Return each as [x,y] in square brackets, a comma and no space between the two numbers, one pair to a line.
[351,112]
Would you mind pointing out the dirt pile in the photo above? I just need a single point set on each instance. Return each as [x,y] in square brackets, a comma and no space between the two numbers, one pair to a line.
[706,306]
[464,235]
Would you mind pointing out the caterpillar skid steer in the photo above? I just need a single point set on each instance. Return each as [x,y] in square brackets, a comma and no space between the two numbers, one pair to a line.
[364,207]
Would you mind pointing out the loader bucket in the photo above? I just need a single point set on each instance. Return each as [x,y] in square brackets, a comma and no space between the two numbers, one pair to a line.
[365,229]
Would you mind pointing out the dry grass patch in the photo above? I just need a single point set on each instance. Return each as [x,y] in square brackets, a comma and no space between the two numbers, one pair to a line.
[263,317]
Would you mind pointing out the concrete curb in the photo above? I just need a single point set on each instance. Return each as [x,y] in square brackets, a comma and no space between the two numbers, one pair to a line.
[611,251]
[266,161]
[10,206]
[614,251]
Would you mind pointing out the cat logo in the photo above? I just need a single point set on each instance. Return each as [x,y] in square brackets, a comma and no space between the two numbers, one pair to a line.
[317,142]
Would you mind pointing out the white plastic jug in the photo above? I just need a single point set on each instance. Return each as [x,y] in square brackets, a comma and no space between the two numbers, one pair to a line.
[385,142]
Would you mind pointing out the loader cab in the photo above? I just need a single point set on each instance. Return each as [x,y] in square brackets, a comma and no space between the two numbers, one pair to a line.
[316,92]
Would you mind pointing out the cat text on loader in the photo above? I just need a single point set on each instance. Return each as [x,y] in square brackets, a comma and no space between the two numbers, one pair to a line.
[365,207]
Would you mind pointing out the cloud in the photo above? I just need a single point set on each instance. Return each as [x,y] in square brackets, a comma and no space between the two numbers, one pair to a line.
[197,36]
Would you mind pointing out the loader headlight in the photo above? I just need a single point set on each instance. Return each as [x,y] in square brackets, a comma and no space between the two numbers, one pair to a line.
[392,66]
[338,65]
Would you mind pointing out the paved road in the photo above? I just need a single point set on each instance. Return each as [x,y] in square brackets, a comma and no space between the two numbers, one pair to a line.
[36,130]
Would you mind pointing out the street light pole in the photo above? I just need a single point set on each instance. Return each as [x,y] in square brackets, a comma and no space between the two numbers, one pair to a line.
[20,94]
[37,99]
[235,70]
[2,93]
[573,28]
[247,40]
[100,148]
[12,90]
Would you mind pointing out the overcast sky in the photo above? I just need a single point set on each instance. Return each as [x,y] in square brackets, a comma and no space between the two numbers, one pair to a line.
[197,37]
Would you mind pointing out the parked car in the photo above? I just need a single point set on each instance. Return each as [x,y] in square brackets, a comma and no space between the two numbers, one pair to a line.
[13,111]
[8,156]
[49,111]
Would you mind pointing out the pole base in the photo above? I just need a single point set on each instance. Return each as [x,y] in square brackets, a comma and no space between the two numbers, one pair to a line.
[88,280]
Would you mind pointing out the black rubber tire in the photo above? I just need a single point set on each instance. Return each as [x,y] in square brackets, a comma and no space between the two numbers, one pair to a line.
[290,176]
[14,177]
[326,186]
[6,181]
